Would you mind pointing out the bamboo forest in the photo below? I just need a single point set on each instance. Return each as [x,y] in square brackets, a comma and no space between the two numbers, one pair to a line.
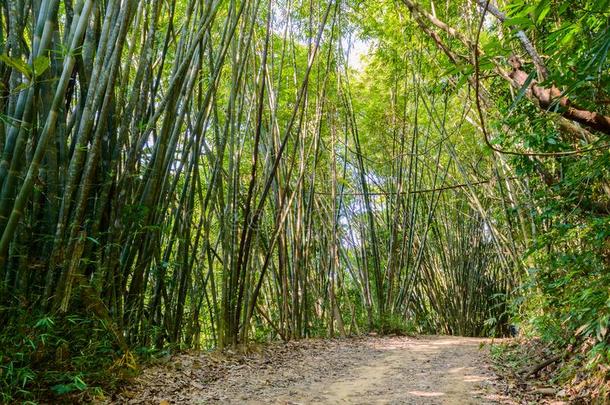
[259,201]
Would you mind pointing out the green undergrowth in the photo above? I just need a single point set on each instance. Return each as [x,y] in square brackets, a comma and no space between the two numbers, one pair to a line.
[565,302]
[576,376]
[395,325]
[70,358]
[75,358]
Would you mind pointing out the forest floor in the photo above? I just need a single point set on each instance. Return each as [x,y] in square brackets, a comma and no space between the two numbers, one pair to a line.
[368,370]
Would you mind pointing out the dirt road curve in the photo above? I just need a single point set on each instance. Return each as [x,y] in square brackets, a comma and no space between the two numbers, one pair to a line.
[396,370]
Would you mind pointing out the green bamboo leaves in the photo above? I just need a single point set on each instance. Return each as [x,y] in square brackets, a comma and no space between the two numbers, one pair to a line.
[40,65]
[205,173]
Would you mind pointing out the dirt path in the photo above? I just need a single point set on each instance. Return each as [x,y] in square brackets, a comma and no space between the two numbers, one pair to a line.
[396,370]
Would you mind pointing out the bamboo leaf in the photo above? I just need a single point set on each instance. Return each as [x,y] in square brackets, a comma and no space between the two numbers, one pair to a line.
[41,64]
[17,64]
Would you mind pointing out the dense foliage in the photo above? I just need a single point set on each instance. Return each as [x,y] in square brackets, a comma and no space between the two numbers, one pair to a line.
[200,174]
[556,146]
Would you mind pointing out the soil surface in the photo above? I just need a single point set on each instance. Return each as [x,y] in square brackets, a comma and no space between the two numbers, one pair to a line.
[370,370]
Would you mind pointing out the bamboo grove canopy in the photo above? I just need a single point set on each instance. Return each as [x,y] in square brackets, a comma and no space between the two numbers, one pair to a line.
[207,172]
